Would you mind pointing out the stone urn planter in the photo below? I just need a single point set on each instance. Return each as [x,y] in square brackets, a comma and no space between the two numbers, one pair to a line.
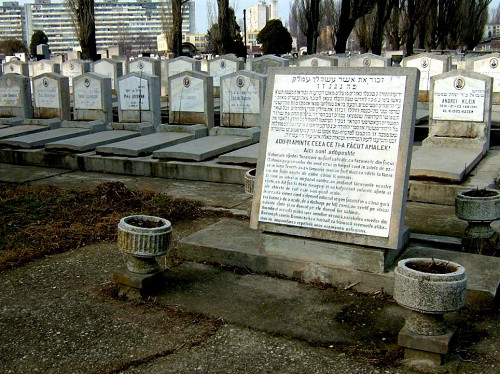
[250,181]
[479,208]
[144,238]
[430,288]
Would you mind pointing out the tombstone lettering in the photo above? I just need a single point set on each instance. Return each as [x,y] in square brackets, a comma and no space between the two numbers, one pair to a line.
[74,68]
[242,99]
[51,96]
[191,99]
[15,96]
[92,95]
[334,156]
[223,65]
[139,98]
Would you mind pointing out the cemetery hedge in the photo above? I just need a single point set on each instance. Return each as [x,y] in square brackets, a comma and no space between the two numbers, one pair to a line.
[39,221]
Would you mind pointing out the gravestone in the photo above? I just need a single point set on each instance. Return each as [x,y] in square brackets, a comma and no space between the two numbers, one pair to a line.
[164,77]
[181,64]
[16,67]
[262,64]
[74,55]
[42,52]
[92,98]
[428,65]
[51,96]
[58,59]
[395,56]
[146,65]
[37,68]
[317,61]
[74,68]
[191,99]
[242,99]
[125,63]
[488,65]
[15,98]
[221,66]
[368,60]
[459,126]
[111,69]
[139,98]
[333,167]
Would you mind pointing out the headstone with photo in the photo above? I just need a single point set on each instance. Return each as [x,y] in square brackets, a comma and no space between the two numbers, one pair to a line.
[333,168]
[317,61]
[222,66]
[111,69]
[51,96]
[459,126]
[488,65]
[262,64]
[16,67]
[242,99]
[74,68]
[139,98]
[429,65]
[191,99]
[368,60]
[92,98]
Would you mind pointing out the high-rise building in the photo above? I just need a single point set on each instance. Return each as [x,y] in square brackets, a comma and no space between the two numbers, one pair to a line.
[12,21]
[134,25]
[259,14]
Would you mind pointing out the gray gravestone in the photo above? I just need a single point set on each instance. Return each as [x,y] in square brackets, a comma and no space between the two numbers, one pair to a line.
[317,61]
[15,96]
[488,65]
[125,63]
[74,68]
[92,98]
[181,64]
[147,65]
[139,98]
[368,60]
[16,67]
[221,66]
[191,99]
[428,65]
[37,68]
[334,164]
[111,69]
[262,64]
[242,99]
[51,96]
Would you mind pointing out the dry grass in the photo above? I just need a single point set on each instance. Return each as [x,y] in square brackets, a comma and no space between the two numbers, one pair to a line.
[39,221]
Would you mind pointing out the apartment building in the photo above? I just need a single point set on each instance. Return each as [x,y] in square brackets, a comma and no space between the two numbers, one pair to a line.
[12,21]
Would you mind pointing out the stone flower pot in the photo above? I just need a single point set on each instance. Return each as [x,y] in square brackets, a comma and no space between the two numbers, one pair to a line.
[250,181]
[479,208]
[430,287]
[144,238]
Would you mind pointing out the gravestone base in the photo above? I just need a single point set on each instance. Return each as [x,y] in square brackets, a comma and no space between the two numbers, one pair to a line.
[479,144]
[144,128]
[92,125]
[433,349]
[11,121]
[52,123]
[337,254]
[134,286]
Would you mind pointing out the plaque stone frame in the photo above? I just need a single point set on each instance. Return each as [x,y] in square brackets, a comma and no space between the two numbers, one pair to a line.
[398,234]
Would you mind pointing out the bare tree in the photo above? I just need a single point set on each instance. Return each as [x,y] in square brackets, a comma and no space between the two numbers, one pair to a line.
[350,11]
[330,23]
[177,26]
[167,25]
[396,26]
[475,14]
[495,15]
[363,30]
[308,14]
[293,25]
[82,16]
[224,27]
[416,10]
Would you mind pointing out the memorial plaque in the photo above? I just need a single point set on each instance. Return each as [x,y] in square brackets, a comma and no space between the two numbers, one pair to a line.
[46,93]
[187,94]
[9,96]
[88,94]
[134,93]
[459,99]
[333,165]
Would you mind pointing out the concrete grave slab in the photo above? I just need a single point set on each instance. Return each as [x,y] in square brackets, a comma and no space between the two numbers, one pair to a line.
[246,155]
[23,174]
[39,139]
[11,121]
[91,141]
[14,131]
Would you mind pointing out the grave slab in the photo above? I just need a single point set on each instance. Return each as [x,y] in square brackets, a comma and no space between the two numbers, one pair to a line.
[39,139]
[453,165]
[204,148]
[91,141]
[246,155]
[13,131]
[10,121]
[144,145]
